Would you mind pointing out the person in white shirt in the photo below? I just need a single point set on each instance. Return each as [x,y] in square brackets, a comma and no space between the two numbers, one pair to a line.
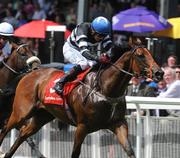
[173,88]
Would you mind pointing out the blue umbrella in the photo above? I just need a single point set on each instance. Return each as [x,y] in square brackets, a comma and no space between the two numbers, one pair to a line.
[139,19]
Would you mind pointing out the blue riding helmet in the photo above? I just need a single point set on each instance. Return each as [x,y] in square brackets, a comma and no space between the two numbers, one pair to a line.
[101,25]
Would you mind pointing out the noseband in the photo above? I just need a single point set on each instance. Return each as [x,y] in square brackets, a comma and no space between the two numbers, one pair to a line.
[17,51]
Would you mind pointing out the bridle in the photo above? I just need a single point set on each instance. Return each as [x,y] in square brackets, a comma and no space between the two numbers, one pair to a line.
[18,53]
[133,50]
[11,69]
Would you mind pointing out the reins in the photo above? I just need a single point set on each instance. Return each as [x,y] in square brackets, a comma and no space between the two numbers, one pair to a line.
[126,72]
[19,47]
[11,69]
[113,101]
[8,67]
[91,89]
[122,70]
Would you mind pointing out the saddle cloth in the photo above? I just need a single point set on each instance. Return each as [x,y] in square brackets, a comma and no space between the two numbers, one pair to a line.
[51,97]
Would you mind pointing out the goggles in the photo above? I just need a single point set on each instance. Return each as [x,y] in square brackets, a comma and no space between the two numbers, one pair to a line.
[98,34]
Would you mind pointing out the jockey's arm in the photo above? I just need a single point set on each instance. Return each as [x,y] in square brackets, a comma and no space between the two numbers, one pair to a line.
[107,46]
[87,54]
[82,40]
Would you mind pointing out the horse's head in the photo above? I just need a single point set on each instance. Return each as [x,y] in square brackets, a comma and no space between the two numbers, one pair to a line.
[21,57]
[142,61]
[137,61]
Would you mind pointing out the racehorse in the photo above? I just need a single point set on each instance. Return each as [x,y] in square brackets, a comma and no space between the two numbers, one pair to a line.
[20,61]
[12,69]
[92,107]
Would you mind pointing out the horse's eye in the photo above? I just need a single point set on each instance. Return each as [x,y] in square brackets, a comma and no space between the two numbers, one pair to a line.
[141,56]
[22,54]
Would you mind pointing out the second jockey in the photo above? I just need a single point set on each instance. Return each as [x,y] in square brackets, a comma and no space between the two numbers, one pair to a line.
[6,33]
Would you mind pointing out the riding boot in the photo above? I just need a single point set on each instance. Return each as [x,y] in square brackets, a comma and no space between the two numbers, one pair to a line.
[67,78]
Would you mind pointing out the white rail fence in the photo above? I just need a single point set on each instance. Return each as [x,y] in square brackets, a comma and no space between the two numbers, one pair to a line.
[96,147]
[148,103]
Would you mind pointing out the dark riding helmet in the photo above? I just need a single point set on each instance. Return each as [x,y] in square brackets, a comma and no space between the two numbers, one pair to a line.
[101,25]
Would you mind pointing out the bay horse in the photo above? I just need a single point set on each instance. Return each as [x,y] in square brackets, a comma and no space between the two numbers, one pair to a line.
[21,60]
[92,109]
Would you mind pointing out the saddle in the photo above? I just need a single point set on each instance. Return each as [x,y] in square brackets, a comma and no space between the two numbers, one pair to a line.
[51,97]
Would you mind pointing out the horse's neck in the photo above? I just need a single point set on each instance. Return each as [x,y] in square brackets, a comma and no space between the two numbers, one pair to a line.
[113,81]
[14,45]
[6,74]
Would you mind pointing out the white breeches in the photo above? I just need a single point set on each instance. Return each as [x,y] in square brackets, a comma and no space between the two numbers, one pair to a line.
[73,56]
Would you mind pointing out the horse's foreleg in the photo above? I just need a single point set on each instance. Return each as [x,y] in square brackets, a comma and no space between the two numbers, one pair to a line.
[24,133]
[39,119]
[80,134]
[3,134]
[34,147]
[35,123]
[122,135]
[10,125]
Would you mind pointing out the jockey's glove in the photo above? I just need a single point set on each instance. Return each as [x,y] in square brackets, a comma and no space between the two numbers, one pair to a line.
[104,58]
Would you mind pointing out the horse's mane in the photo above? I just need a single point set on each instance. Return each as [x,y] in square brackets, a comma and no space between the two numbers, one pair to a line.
[118,50]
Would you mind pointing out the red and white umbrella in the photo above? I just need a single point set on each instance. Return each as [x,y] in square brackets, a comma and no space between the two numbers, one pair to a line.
[36,29]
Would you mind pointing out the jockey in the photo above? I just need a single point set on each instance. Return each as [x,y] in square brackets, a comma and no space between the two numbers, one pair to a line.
[81,48]
[6,31]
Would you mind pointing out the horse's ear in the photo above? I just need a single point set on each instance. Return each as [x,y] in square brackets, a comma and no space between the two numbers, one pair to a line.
[134,41]
[130,42]
[138,41]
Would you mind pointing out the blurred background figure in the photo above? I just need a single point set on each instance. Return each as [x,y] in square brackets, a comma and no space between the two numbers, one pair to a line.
[171,61]
[10,18]
[173,88]
[136,88]
[161,87]
[177,72]
[139,87]
[38,12]
[71,18]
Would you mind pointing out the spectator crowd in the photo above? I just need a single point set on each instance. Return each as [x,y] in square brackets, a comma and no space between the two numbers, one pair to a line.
[168,87]
[20,12]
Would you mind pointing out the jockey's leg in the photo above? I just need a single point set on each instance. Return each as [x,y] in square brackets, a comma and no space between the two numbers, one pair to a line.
[67,78]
